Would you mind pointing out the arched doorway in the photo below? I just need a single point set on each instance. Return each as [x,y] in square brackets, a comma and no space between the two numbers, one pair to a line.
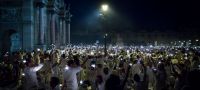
[15,42]
[11,41]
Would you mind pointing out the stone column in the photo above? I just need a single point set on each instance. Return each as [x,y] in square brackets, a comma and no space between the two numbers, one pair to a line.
[27,21]
[52,29]
[48,28]
[51,23]
[40,22]
[62,25]
[60,31]
[40,26]
[64,32]
[69,32]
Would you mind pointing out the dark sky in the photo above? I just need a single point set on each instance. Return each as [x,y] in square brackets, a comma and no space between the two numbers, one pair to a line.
[174,15]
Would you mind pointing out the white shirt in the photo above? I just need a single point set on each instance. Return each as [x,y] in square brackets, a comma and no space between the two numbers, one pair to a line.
[31,77]
[71,78]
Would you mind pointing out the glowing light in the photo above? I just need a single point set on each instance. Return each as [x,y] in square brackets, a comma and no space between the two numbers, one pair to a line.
[23,74]
[38,49]
[24,61]
[104,7]
[60,85]
[111,54]
[93,65]
[81,82]
[127,51]
[38,67]
[154,69]
[67,68]
[186,54]
[185,57]
[130,64]
[92,53]
[197,40]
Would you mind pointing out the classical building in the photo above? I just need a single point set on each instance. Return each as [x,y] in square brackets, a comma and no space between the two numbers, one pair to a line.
[30,24]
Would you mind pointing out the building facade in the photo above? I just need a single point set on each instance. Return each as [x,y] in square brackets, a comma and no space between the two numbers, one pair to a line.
[30,24]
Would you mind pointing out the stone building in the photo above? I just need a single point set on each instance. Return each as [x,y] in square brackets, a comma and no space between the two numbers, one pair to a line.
[30,24]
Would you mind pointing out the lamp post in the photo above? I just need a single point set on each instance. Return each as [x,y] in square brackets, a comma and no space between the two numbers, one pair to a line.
[104,9]
[105,44]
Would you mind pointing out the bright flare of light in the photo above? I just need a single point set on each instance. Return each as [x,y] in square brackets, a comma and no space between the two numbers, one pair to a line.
[38,49]
[60,85]
[23,74]
[67,68]
[104,7]
[81,82]
[127,51]
[93,65]
[186,58]
[92,53]
[130,64]
[24,61]
[38,67]
[186,54]
[197,40]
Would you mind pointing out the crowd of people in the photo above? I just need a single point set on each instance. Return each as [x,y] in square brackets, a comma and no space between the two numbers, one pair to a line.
[94,68]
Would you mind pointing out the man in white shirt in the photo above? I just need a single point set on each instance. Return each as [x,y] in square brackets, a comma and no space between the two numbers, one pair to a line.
[31,82]
[70,78]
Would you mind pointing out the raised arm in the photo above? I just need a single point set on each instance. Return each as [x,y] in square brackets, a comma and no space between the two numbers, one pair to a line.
[38,67]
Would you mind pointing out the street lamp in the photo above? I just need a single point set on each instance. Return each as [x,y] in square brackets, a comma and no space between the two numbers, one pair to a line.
[105,44]
[104,9]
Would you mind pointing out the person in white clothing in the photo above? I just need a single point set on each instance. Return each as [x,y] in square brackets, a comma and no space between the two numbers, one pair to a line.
[70,78]
[70,71]
[31,82]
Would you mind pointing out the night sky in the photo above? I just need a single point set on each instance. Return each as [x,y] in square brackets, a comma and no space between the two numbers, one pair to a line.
[149,15]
